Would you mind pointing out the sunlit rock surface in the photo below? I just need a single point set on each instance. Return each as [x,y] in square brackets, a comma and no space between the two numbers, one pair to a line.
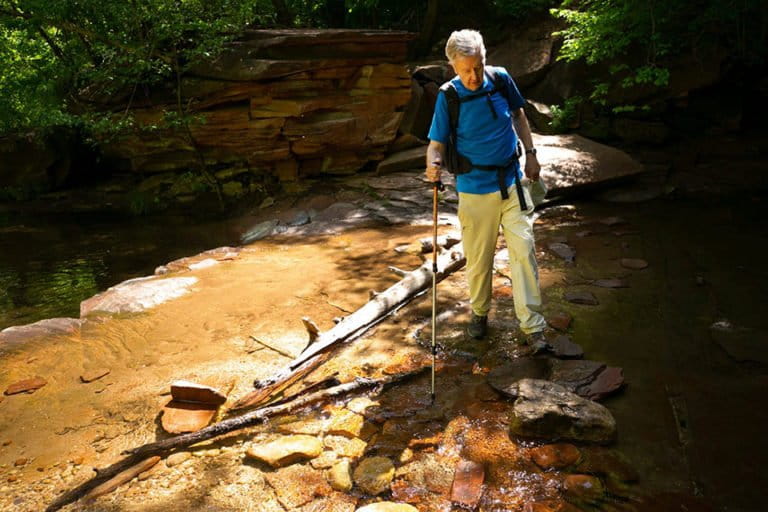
[137,295]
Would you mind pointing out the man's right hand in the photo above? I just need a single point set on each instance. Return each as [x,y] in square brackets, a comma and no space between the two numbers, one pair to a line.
[434,170]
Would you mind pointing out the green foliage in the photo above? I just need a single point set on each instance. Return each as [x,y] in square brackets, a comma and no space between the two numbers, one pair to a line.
[564,117]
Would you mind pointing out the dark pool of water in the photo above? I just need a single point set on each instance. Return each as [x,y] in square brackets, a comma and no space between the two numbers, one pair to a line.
[49,264]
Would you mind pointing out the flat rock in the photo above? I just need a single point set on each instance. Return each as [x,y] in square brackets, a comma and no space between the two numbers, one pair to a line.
[581,297]
[26,386]
[286,450]
[177,458]
[346,423]
[607,382]
[546,410]
[427,473]
[564,348]
[387,506]
[18,334]
[345,446]
[504,378]
[555,456]
[634,263]
[574,374]
[92,375]
[563,250]
[560,321]
[137,295]
[414,158]
[467,488]
[185,391]
[181,417]
[374,474]
[259,231]
[611,283]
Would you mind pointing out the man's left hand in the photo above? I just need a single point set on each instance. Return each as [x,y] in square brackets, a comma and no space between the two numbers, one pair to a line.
[532,167]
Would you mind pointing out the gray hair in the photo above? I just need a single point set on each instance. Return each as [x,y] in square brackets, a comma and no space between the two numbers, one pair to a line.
[465,43]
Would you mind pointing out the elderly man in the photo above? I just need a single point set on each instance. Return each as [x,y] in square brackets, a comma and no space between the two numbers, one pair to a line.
[487,103]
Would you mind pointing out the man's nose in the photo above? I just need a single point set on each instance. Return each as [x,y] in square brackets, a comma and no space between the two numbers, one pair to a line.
[476,75]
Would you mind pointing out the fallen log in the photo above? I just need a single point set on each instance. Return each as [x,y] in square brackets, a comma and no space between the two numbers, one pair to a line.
[162,448]
[374,311]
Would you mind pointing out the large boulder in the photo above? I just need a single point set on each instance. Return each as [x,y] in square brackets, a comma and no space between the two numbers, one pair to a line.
[575,162]
[545,410]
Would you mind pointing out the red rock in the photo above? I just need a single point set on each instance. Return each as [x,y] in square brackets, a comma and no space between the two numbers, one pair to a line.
[20,462]
[183,391]
[12,478]
[607,382]
[634,263]
[26,386]
[555,456]
[585,487]
[560,321]
[180,417]
[468,484]
[93,375]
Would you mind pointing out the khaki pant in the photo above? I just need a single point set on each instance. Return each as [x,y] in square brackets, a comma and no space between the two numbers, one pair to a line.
[480,216]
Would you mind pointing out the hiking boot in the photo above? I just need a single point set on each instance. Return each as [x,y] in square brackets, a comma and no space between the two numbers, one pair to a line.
[478,327]
[538,342]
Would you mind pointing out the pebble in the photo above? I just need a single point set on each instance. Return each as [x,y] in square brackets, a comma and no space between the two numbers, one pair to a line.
[20,462]
[177,458]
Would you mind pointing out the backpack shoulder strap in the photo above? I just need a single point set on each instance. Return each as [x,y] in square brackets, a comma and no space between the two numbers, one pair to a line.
[452,99]
[499,82]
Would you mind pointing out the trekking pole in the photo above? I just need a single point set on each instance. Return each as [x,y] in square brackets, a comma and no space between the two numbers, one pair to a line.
[438,185]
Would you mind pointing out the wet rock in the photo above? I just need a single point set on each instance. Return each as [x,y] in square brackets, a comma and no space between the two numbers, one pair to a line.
[574,374]
[177,458]
[373,475]
[606,383]
[92,375]
[740,343]
[346,423]
[546,410]
[297,485]
[583,489]
[26,386]
[121,478]
[181,417]
[340,476]
[611,283]
[505,378]
[634,263]
[345,446]
[259,231]
[185,391]
[326,460]
[467,488]
[428,472]
[361,404]
[555,456]
[414,158]
[563,347]
[309,426]
[300,219]
[563,250]
[550,506]
[387,506]
[20,462]
[286,450]
[577,297]
[137,295]
[44,328]
[560,321]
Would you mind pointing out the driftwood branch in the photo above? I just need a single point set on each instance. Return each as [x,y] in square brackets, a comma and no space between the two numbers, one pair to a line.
[161,448]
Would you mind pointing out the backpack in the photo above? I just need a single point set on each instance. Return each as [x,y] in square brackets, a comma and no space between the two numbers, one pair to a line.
[457,163]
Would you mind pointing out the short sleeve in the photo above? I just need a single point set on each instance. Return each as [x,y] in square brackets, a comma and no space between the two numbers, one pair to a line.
[516,99]
[440,129]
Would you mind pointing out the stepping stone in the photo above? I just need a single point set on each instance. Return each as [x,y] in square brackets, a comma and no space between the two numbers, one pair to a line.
[634,263]
[182,417]
[467,488]
[560,321]
[573,374]
[563,348]
[611,283]
[26,386]
[286,450]
[585,298]
[606,383]
[92,375]
[565,251]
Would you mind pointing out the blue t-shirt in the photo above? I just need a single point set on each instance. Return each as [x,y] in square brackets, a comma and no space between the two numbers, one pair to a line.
[480,137]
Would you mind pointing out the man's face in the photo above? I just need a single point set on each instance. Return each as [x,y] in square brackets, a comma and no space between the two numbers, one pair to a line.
[470,71]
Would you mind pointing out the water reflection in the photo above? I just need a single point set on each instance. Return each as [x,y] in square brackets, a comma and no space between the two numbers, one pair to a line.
[48,265]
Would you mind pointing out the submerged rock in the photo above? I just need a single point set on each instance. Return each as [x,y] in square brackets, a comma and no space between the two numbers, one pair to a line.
[606,383]
[549,411]
[555,456]
[373,475]
[563,348]
[563,250]
[574,374]
[26,386]
[560,321]
[286,450]
[340,476]
[611,283]
[586,298]
[467,488]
